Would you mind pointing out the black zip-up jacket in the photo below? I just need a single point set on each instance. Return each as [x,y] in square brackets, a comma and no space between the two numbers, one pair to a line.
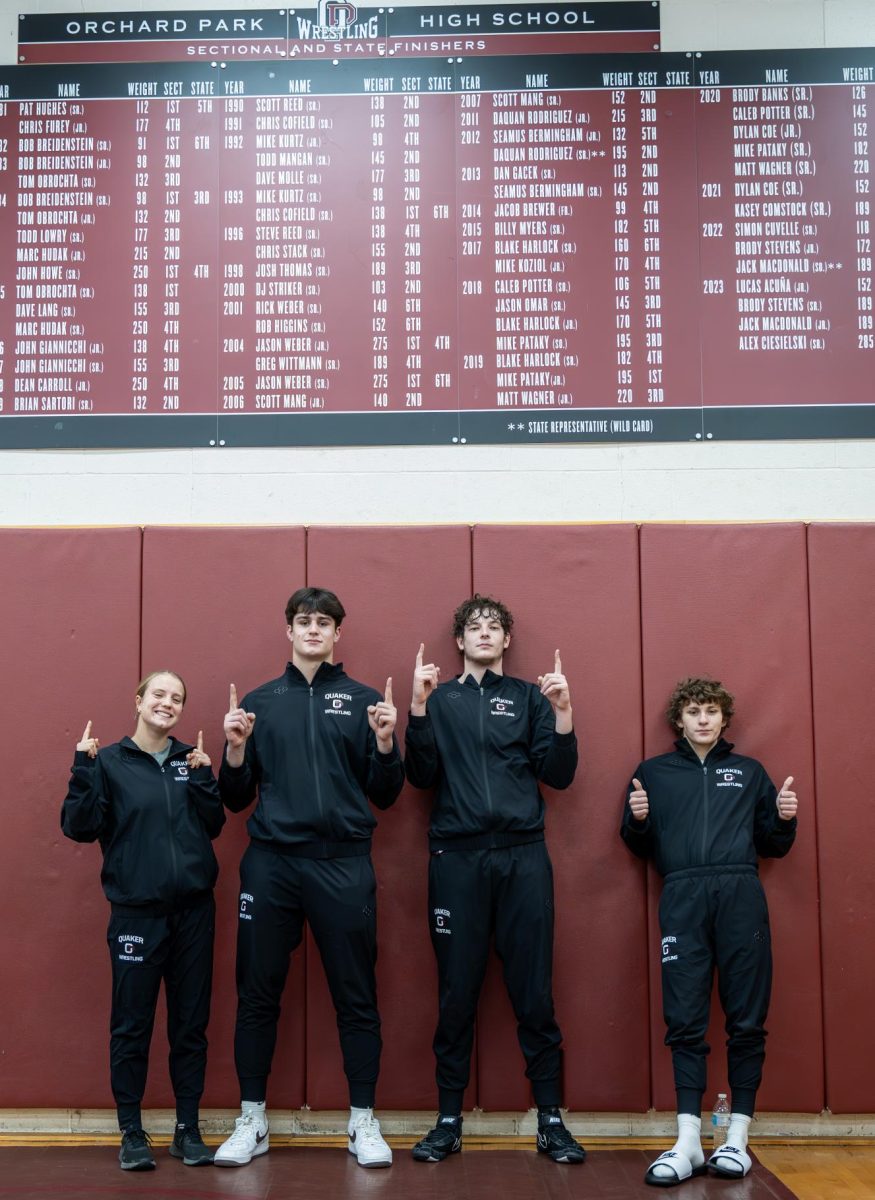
[154,824]
[719,813]
[485,747]
[313,758]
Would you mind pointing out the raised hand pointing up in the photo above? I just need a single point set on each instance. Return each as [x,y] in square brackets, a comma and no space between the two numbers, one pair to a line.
[238,726]
[198,757]
[88,744]
[426,677]
[382,717]
[554,686]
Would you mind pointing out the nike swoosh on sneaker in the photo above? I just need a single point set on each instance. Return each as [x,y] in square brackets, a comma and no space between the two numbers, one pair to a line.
[259,1138]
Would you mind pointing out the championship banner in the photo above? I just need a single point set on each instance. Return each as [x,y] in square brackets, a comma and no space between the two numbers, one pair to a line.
[337,28]
[508,249]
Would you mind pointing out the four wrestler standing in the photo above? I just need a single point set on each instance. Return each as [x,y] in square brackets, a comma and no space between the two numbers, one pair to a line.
[315,746]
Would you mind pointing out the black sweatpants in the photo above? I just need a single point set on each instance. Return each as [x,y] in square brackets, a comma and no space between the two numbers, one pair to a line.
[508,893]
[715,917]
[144,950]
[338,898]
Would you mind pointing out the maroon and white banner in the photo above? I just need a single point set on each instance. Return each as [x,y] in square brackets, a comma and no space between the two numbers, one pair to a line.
[497,249]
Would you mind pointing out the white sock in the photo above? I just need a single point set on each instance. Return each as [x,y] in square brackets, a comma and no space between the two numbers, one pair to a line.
[736,1134]
[355,1113]
[689,1143]
[256,1108]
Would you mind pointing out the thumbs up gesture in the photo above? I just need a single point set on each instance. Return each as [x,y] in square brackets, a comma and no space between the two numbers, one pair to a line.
[198,757]
[382,717]
[554,686]
[786,801]
[88,744]
[426,677]
[638,801]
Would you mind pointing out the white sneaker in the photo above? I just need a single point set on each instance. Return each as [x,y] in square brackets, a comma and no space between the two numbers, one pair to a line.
[249,1139]
[366,1142]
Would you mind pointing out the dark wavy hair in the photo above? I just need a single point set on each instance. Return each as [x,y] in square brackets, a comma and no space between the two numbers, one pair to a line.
[320,600]
[484,605]
[699,691]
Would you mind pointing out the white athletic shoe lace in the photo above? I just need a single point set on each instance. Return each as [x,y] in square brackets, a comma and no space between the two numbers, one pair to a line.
[365,1135]
[245,1135]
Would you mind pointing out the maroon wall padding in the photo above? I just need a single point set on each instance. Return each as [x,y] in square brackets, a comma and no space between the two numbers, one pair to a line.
[399,587]
[726,600]
[575,588]
[70,610]
[841,564]
[213,610]
[731,601]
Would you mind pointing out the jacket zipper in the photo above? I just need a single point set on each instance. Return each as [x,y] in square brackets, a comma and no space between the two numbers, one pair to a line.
[315,765]
[705,818]
[487,792]
[173,859]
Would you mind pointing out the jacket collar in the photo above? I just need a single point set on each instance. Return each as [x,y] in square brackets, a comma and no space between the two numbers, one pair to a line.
[719,750]
[489,680]
[325,672]
[176,746]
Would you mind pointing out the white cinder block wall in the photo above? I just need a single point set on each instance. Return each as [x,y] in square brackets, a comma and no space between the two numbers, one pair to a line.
[697,481]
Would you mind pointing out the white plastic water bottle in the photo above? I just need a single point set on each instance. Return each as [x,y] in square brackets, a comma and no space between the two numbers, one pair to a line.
[720,1120]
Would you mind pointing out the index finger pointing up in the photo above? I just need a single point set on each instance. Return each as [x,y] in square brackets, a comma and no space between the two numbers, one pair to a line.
[388,695]
[233,701]
[200,741]
[87,734]
[558,664]
[420,654]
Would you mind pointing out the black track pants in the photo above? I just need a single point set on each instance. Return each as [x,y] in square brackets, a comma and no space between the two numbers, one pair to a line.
[143,951]
[338,898]
[509,893]
[716,919]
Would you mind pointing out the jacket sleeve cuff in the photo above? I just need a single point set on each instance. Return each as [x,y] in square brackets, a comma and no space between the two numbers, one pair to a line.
[387,760]
[418,722]
[565,739]
[227,769]
[83,759]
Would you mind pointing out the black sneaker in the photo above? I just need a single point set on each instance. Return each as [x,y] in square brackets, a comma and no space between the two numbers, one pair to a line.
[188,1145]
[135,1154]
[444,1139]
[555,1140]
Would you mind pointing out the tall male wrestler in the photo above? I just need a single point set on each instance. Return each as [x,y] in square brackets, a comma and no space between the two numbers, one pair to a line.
[316,746]
[485,741]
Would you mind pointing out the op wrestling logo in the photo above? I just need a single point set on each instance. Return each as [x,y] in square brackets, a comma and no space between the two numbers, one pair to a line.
[334,19]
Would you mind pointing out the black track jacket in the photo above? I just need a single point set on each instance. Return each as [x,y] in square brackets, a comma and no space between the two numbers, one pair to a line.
[313,758]
[718,813]
[485,748]
[154,824]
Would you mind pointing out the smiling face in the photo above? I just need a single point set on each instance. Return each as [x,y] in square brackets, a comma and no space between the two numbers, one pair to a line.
[313,636]
[160,703]
[702,723]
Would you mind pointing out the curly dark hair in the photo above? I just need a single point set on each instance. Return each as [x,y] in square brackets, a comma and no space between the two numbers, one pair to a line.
[699,691]
[481,604]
